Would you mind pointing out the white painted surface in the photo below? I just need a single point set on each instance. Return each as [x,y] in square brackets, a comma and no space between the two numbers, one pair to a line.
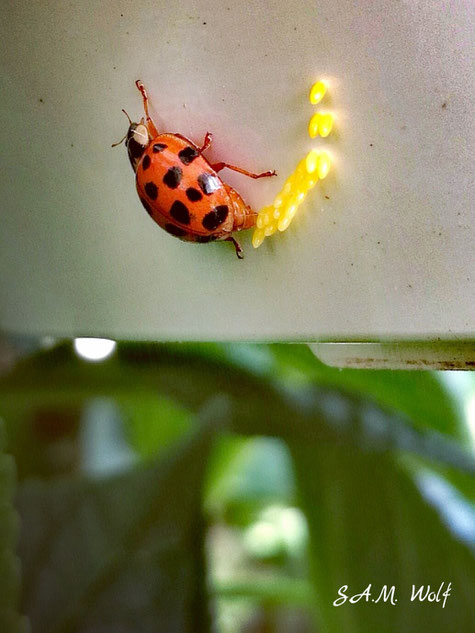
[390,254]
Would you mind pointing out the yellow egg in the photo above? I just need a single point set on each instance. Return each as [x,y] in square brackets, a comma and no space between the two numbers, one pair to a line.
[323,165]
[271,228]
[284,223]
[300,189]
[258,237]
[262,217]
[307,183]
[309,170]
[311,161]
[311,182]
[288,186]
[317,92]
[313,125]
[325,124]
[290,208]
[301,170]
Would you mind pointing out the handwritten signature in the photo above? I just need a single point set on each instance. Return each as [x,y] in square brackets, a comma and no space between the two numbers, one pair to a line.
[387,594]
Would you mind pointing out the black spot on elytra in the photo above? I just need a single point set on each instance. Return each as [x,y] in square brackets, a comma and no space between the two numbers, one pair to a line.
[204,239]
[175,230]
[193,194]
[214,218]
[208,183]
[151,190]
[173,177]
[159,147]
[148,208]
[146,161]
[188,155]
[179,212]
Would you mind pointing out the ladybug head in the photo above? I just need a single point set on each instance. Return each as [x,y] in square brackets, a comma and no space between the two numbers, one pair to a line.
[137,139]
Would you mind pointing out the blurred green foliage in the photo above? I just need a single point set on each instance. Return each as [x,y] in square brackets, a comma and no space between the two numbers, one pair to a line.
[240,436]
[10,619]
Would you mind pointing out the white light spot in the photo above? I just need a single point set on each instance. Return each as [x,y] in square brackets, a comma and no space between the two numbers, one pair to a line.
[278,529]
[94,349]
[262,539]
[47,342]
[104,447]
[455,510]
[291,523]
[460,384]
[470,412]
[213,184]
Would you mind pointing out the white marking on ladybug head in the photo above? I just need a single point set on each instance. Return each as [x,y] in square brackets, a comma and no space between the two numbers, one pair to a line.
[140,135]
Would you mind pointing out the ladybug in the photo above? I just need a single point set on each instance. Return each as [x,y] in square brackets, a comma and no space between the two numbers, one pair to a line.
[180,189]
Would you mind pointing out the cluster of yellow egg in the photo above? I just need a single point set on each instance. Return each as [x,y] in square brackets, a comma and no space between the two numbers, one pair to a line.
[315,166]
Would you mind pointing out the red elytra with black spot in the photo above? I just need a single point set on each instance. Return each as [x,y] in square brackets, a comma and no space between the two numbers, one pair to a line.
[180,189]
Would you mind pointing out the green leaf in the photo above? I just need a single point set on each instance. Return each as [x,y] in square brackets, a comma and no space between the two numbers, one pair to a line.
[10,619]
[121,553]
[153,422]
[370,525]
[419,395]
[277,590]
[286,393]
[347,430]
[246,473]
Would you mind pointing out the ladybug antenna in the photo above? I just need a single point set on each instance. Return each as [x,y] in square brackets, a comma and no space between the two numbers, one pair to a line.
[119,142]
[130,121]
[123,139]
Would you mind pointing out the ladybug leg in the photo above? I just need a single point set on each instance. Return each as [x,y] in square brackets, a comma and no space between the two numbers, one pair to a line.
[237,246]
[150,124]
[219,166]
[207,142]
